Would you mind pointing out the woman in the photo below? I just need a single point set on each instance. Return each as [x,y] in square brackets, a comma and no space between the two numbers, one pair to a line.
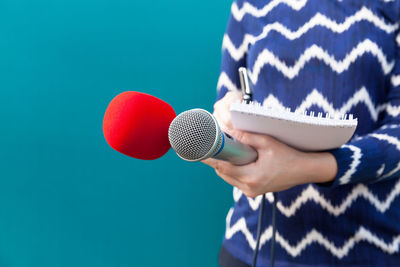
[338,207]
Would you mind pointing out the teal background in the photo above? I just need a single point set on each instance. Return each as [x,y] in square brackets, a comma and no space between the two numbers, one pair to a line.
[66,198]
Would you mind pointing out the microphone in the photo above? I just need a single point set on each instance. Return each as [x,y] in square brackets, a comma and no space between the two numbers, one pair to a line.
[136,124]
[145,127]
[195,135]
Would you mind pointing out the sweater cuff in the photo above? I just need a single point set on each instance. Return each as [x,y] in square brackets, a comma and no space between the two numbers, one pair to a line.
[347,158]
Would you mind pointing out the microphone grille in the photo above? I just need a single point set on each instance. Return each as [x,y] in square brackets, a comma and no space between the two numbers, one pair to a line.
[192,134]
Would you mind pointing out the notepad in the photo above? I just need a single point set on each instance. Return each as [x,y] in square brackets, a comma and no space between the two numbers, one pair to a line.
[303,130]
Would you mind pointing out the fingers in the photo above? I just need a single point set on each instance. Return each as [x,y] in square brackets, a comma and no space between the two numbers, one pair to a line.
[257,141]
[224,120]
[216,164]
[242,177]
[233,174]
[232,96]
[230,180]
[210,162]
[227,168]
[222,107]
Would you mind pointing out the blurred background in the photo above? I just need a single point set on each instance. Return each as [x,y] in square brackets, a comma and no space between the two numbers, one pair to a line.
[68,199]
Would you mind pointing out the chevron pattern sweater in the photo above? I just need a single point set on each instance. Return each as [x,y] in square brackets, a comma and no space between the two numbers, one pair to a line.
[324,56]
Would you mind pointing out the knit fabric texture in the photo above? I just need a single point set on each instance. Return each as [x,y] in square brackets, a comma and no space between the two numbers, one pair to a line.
[323,56]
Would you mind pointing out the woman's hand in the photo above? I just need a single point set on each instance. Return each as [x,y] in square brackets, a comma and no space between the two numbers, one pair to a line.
[278,166]
[221,110]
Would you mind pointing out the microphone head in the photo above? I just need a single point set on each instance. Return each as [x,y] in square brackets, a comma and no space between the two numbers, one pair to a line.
[136,124]
[195,135]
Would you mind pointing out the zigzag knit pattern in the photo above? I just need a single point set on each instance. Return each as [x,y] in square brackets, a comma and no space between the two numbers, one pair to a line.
[336,56]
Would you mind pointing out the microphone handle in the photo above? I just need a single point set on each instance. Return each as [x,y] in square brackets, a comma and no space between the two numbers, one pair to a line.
[235,152]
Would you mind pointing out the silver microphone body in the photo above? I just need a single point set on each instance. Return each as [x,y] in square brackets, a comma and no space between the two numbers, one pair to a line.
[195,135]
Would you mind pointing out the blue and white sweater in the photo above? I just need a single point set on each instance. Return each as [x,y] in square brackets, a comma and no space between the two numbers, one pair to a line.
[324,56]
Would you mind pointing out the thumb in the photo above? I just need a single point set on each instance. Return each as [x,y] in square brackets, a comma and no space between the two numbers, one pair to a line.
[251,139]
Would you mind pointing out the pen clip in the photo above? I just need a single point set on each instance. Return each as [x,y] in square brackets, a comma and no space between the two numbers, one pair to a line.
[245,85]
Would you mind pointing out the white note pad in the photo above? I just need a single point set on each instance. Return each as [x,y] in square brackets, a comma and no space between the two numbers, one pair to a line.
[302,130]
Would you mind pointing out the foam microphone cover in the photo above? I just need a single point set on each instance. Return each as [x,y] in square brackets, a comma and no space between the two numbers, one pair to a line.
[136,124]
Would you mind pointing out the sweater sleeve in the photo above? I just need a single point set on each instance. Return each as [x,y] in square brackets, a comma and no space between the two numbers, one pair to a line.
[234,52]
[375,156]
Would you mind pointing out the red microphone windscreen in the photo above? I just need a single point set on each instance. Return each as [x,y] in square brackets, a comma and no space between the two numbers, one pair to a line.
[136,124]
